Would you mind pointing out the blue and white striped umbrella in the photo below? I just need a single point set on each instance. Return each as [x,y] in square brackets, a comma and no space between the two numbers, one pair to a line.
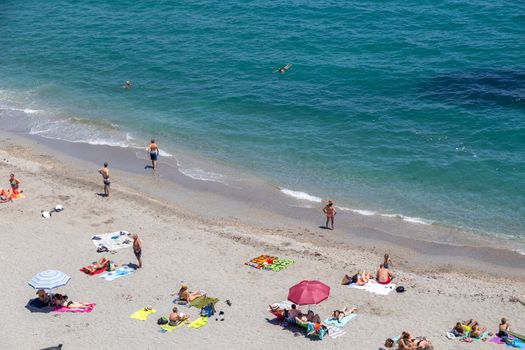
[49,279]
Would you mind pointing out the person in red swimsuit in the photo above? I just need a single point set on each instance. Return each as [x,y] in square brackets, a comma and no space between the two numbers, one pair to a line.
[330,212]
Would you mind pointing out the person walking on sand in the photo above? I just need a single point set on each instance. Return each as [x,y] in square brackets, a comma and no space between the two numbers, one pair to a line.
[153,151]
[104,171]
[137,249]
[330,212]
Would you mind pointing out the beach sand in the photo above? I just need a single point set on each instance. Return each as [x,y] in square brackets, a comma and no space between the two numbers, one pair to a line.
[207,249]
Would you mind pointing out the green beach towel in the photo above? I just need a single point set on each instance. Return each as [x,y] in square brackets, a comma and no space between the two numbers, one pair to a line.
[199,323]
[279,265]
[202,301]
[169,329]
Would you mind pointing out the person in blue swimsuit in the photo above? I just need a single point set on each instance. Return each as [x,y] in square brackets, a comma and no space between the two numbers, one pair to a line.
[153,151]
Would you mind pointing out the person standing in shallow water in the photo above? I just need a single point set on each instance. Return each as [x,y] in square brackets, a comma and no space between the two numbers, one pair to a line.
[104,171]
[153,151]
[330,212]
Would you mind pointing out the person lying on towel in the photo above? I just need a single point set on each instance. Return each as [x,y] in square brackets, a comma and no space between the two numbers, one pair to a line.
[185,295]
[60,300]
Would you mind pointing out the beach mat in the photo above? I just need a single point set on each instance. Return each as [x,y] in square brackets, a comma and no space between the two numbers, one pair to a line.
[79,311]
[121,271]
[18,196]
[278,265]
[260,261]
[202,301]
[142,315]
[199,323]
[167,328]
[334,331]
[497,340]
[113,241]
[341,323]
[374,287]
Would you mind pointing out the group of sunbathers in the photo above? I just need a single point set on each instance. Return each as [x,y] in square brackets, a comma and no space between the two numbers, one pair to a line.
[45,299]
[471,329]
[382,276]
[9,194]
[408,342]
[310,320]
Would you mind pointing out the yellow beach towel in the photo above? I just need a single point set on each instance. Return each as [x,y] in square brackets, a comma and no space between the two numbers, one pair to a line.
[198,323]
[142,315]
[169,328]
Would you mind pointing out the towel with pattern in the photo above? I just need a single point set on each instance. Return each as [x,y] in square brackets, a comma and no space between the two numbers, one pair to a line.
[119,272]
[334,331]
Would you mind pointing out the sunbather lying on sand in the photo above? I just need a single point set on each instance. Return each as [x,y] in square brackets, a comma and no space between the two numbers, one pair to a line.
[363,278]
[407,342]
[184,294]
[61,300]
[277,310]
[476,331]
[339,315]
[6,195]
[177,317]
[458,330]
[101,264]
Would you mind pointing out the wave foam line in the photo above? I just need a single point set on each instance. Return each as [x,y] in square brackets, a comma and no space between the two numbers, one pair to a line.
[301,195]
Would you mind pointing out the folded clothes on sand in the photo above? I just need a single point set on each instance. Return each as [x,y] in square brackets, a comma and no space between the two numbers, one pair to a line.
[519,344]
[338,323]
[66,309]
[169,329]
[142,314]
[199,323]
[119,272]
[113,241]
[374,287]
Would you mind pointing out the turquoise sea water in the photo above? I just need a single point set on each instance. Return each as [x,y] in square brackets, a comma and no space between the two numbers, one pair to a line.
[405,107]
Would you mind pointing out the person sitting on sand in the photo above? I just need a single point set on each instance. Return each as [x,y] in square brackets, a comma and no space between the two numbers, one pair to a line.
[293,313]
[15,184]
[277,310]
[407,342]
[458,330]
[185,295]
[503,332]
[339,315]
[42,300]
[330,212]
[316,326]
[61,301]
[305,319]
[383,275]
[177,317]
[389,343]
[388,262]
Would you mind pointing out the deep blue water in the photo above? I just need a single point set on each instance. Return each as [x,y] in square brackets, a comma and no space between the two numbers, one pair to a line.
[409,107]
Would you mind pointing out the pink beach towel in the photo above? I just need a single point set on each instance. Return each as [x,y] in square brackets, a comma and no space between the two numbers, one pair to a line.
[65,309]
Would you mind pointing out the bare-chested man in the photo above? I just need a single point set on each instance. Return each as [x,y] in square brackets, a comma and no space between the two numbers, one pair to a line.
[104,171]
[383,275]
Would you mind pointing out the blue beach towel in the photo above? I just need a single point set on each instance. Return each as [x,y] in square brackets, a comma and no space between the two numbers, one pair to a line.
[341,323]
[119,272]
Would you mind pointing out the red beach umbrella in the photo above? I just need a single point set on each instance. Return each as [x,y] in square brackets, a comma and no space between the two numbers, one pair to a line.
[308,292]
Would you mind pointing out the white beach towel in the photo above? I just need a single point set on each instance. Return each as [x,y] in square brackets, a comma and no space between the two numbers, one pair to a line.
[335,332]
[113,241]
[374,287]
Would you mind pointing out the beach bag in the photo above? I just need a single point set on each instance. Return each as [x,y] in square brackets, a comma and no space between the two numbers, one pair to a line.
[207,311]
[162,320]
[400,289]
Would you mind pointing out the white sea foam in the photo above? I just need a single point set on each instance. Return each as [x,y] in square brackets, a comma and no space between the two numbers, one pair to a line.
[301,195]
[202,175]
[411,219]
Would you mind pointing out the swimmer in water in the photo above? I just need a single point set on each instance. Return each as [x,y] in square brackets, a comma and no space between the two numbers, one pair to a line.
[283,69]
[127,84]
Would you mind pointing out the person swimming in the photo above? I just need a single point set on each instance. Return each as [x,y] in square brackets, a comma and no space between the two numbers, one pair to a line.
[127,84]
[283,69]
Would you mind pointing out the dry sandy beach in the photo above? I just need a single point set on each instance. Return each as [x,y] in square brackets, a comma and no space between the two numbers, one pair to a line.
[186,243]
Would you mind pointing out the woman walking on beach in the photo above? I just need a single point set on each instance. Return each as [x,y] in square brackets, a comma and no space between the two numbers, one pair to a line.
[153,151]
[104,171]
[330,212]
[137,249]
